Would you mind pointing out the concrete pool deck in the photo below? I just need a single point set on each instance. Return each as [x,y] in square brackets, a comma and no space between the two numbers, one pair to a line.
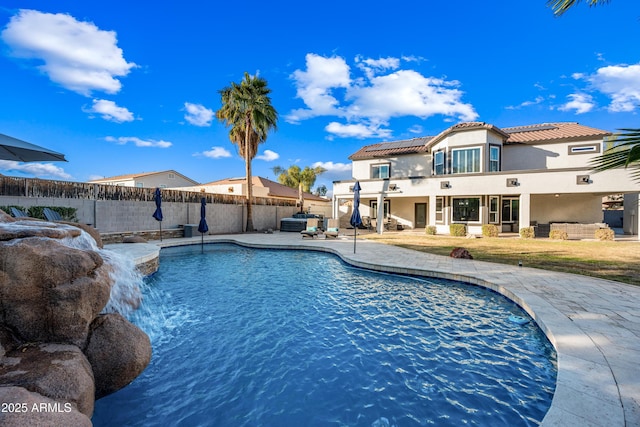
[594,324]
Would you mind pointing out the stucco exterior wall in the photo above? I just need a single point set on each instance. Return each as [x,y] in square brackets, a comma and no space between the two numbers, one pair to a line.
[401,166]
[546,156]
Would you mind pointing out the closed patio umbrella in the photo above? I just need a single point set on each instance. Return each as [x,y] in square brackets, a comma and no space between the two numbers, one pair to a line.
[203,227]
[355,220]
[20,151]
[158,213]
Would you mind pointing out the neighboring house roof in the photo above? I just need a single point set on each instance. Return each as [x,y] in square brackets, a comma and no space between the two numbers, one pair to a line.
[275,188]
[543,132]
[134,176]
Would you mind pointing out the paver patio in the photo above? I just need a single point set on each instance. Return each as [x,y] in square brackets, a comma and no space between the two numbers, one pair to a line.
[594,324]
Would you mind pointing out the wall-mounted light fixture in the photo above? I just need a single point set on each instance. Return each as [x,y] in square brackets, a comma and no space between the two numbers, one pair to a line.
[445,185]
[230,189]
[351,189]
[583,180]
[393,187]
[512,182]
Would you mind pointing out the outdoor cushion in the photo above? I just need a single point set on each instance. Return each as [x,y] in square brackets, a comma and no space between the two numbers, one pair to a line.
[334,229]
[313,229]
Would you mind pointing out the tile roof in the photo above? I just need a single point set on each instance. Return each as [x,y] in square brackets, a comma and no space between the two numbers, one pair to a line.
[552,132]
[385,149]
[543,132]
[275,188]
[133,176]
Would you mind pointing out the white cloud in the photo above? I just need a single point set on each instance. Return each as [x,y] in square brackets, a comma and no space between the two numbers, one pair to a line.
[334,171]
[357,130]
[110,111]
[217,153]
[77,55]
[198,115]
[416,129]
[314,86]
[367,103]
[35,169]
[620,83]
[268,156]
[580,103]
[139,142]
[538,100]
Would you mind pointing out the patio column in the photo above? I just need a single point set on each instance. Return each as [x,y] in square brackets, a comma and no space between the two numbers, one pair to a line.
[524,219]
[631,216]
[380,222]
[431,218]
[334,206]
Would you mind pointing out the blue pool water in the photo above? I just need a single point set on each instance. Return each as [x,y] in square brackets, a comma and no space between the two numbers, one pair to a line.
[245,337]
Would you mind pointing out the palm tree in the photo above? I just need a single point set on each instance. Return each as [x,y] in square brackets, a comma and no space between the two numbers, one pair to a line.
[247,111]
[293,176]
[561,6]
[302,179]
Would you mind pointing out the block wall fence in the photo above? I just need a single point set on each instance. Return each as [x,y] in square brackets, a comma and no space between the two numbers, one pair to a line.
[112,209]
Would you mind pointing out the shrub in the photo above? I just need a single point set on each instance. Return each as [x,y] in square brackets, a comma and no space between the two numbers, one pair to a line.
[527,232]
[490,230]
[431,230]
[604,234]
[459,230]
[558,235]
[67,214]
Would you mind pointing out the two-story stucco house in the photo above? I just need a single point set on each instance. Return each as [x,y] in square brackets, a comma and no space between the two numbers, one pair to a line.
[476,173]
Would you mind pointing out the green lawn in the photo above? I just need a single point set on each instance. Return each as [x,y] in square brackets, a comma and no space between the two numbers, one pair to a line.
[618,261]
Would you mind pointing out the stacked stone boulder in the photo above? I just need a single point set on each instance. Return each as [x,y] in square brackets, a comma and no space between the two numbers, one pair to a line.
[58,353]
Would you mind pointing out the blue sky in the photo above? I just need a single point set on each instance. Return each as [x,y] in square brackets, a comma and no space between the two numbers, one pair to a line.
[128,87]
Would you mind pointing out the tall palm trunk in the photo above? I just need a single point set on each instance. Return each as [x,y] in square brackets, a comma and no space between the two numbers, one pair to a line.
[247,162]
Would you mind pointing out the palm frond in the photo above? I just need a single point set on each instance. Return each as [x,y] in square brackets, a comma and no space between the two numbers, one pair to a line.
[559,7]
[624,153]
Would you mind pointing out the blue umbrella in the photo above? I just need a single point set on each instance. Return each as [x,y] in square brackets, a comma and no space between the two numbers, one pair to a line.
[355,220]
[158,213]
[203,227]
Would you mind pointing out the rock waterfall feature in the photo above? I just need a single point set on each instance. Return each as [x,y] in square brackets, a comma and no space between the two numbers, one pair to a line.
[63,342]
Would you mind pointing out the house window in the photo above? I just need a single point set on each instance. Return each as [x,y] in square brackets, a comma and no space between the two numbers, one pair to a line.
[139,184]
[438,163]
[386,209]
[466,161]
[510,210]
[439,209]
[494,158]
[584,149]
[493,210]
[466,209]
[380,171]
[172,175]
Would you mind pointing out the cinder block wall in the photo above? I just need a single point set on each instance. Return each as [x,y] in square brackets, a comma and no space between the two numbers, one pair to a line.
[115,216]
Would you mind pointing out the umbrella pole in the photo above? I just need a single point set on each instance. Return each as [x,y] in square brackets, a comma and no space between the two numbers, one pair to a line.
[161,231]
[355,232]
[202,243]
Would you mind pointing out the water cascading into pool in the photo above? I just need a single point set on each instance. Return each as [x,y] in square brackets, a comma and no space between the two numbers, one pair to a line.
[126,279]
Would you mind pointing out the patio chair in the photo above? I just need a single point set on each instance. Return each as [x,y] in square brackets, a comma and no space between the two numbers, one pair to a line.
[51,215]
[17,213]
[332,228]
[312,228]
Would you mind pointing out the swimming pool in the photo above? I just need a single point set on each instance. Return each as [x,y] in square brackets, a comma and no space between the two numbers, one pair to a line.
[245,337]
